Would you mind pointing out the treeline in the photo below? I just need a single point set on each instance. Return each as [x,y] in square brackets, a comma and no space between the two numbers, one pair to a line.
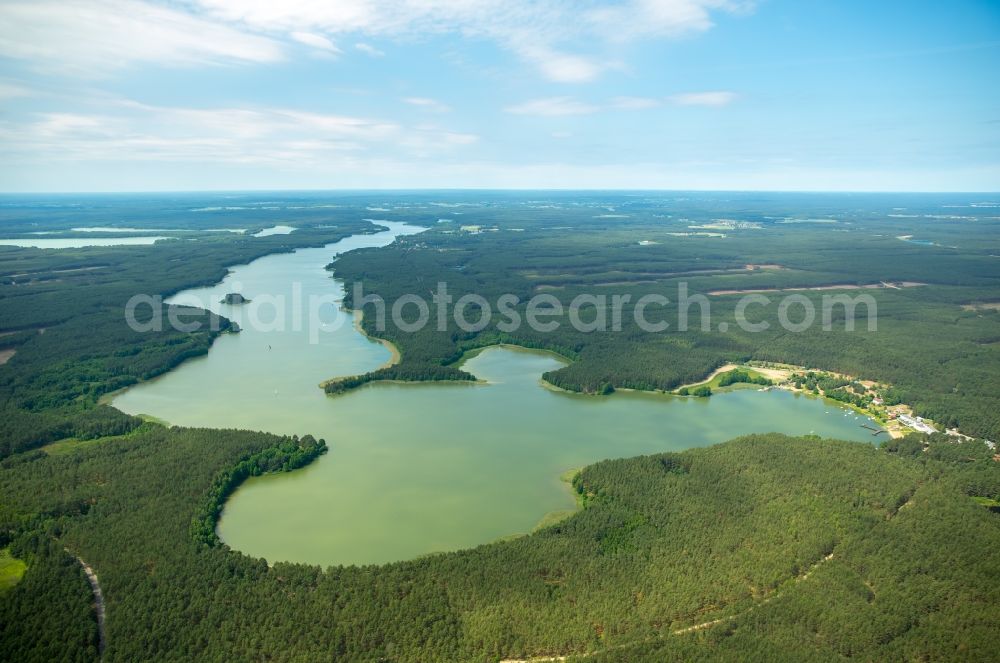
[634,566]
[73,343]
[48,616]
[739,376]
[287,455]
[22,429]
[404,373]
[16,338]
[940,358]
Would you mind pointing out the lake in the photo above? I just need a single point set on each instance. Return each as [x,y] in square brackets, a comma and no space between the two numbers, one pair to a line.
[417,468]
[80,242]
[275,230]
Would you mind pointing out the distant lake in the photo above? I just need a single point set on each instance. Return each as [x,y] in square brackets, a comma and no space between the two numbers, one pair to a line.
[275,230]
[921,242]
[79,242]
[109,229]
[419,468]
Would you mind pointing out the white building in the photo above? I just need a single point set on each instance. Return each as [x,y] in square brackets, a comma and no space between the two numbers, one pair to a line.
[917,424]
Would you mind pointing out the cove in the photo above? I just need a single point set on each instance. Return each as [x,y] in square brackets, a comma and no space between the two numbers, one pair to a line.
[420,468]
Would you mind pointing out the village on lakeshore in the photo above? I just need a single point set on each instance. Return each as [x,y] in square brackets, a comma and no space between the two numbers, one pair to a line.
[868,397]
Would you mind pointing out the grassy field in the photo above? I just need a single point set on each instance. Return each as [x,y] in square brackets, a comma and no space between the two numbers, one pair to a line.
[11,570]
[715,382]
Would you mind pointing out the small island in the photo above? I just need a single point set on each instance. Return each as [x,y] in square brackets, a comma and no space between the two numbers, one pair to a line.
[234,298]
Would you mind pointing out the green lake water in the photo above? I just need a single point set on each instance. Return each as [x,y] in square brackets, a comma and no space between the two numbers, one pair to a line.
[418,468]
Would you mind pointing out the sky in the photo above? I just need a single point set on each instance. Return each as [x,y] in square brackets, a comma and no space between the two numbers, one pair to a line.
[138,95]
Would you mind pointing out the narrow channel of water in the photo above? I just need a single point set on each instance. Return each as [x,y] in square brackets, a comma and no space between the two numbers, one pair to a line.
[420,468]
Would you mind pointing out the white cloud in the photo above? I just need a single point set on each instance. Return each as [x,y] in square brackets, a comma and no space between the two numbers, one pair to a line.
[315,40]
[561,67]
[368,49]
[552,107]
[91,37]
[656,18]
[719,98]
[130,131]
[432,105]
[566,40]
[550,34]
[556,106]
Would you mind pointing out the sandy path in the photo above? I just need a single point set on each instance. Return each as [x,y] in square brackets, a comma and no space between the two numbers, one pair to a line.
[722,369]
[99,608]
[687,629]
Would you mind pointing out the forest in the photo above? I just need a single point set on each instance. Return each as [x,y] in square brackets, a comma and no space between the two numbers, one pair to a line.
[64,314]
[818,549]
[935,341]
[760,548]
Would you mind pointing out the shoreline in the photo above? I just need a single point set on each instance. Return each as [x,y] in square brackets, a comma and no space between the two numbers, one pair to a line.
[893,432]
[781,374]
[108,398]
[725,368]
[466,356]
[395,356]
[473,352]
[775,374]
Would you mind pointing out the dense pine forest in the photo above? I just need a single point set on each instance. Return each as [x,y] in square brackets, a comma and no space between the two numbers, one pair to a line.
[816,548]
[938,326]
[760,548]
[64,314]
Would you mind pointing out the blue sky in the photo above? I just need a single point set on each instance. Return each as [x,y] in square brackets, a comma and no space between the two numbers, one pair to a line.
[132,95]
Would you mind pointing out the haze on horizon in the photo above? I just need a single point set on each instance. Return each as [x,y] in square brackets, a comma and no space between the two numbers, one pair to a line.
[138,95]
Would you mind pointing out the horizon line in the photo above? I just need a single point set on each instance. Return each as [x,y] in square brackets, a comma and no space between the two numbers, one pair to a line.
[109,192]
